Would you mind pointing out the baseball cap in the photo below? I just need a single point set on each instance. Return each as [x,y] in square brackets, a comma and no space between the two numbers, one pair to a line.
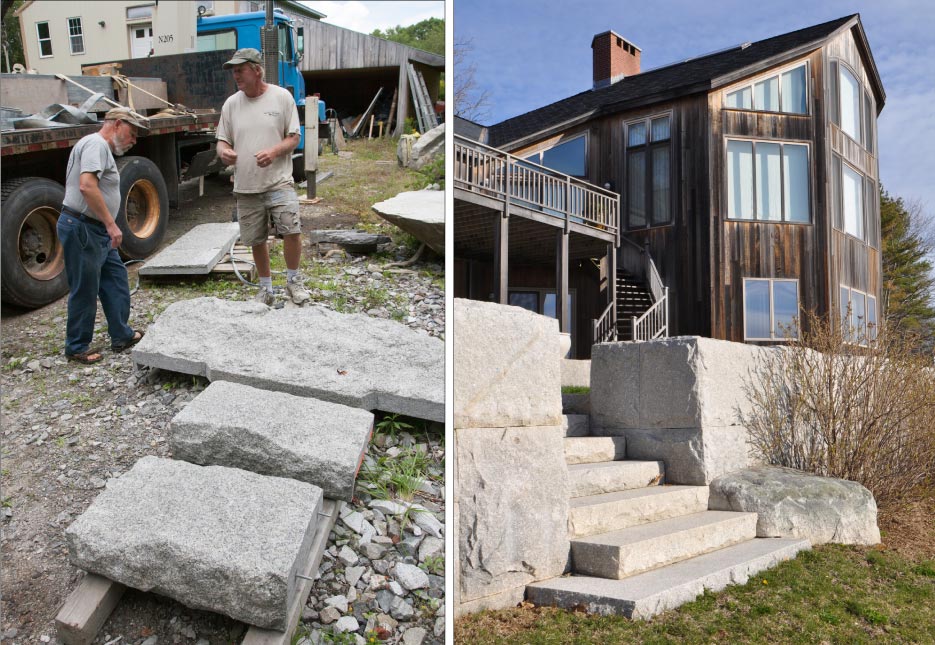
[245,55]
[131,117]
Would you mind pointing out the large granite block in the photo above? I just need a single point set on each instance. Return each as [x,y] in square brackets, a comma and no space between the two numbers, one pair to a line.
[512,492]
[272,433]
[507,367]
[421,213]
[213,538]
[686,382]
[691,455]
[350,359]
[195,253]
[795,504]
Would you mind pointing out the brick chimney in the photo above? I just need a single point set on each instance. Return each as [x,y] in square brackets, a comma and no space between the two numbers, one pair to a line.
[614,57]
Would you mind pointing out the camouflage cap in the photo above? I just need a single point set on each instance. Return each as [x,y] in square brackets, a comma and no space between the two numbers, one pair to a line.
[131,117]
[245,55]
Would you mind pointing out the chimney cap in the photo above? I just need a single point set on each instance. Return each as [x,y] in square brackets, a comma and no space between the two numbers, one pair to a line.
[614,33]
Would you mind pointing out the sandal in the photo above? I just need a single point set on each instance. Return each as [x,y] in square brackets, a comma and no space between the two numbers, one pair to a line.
[137,337]
[85,357]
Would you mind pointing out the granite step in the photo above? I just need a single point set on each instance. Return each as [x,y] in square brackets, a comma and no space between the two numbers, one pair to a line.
[651,593]
[607,512]
[623,553]
[590,450]
[576,425]
[611,476]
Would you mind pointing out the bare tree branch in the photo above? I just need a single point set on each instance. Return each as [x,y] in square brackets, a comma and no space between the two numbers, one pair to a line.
[470,102]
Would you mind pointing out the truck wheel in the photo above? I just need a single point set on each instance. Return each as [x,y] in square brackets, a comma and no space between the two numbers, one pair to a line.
[144,207]
[32,262]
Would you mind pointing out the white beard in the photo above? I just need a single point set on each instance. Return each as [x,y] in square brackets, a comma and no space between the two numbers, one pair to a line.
[120,149]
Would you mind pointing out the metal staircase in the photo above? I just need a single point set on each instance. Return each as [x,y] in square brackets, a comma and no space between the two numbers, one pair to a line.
[633,300]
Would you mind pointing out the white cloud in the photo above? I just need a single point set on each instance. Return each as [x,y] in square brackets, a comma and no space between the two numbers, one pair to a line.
[365,16]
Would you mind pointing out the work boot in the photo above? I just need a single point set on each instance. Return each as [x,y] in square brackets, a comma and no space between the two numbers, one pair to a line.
[297,292]
[265,296]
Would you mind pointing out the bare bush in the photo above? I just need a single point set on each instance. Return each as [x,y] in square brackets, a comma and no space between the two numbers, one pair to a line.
[853,404]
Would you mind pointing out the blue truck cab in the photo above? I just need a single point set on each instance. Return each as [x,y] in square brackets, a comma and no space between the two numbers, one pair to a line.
[236,31]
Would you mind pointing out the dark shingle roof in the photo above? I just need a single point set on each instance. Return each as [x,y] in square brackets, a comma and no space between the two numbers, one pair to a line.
[694,75]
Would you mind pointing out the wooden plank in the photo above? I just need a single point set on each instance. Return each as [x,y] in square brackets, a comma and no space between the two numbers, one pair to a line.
[87,608]
[258,636]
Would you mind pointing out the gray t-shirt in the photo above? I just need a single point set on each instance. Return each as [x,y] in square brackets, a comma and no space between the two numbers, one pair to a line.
[92,154]
[250,125]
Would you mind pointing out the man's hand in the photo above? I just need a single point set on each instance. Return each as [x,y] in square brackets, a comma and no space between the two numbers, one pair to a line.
[116,235]
[265,157]
[228,156]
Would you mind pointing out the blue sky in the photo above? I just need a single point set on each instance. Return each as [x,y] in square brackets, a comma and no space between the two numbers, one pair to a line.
[529,53]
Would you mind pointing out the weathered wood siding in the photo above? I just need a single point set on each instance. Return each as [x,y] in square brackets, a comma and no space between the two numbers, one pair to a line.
[328,47]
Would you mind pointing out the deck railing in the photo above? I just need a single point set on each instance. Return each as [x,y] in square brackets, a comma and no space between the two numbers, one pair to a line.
[494,173]
[605,326]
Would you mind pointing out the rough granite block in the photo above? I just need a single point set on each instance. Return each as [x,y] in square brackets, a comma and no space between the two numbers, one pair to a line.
[351,359]
[213,538]
[301,438]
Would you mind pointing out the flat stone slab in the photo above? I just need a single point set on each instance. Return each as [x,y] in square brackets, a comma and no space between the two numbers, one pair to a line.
[351,359]
[792,503]
[272,433]
[610,476]
[353,241]
[653,592]
[606,512]
[195,253]
[213,538]
[421,213]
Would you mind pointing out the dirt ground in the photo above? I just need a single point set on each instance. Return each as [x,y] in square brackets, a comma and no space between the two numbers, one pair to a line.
[65,429]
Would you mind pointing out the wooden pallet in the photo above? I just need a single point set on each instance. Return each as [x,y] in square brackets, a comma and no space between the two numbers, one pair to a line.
[243,258]
[89,606]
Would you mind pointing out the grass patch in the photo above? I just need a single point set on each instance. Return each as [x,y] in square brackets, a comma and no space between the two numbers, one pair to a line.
[831,594]
[575,389]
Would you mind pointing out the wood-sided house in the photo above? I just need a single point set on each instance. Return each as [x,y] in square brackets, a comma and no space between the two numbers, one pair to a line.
[727,193]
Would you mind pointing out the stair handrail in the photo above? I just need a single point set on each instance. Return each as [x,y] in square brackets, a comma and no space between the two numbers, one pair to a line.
[604,327]
[653,280]
[654,323]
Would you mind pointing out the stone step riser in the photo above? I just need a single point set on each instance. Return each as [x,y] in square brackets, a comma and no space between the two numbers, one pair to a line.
[616,511]
[646,595]
[594,479]
[576,425]
[590,450]
[668,541]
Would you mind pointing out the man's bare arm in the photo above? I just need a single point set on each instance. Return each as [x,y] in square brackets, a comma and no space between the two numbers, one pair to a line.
[284,147]
[226,153]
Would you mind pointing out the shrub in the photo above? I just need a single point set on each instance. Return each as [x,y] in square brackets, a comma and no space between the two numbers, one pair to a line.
[857,406]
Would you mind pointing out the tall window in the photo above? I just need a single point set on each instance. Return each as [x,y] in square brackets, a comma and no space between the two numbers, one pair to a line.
[785,91]
[767,181]
[770,308]
[856,203]
[858,315]
[649,197]
[45,39]
[852,106]
[569,157]
[75,36]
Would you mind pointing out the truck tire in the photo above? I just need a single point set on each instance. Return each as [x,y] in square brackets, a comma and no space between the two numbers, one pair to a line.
[32,262]
[144,207]
[298,169]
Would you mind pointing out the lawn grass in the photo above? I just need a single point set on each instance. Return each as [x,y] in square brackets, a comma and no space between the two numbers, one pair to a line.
[832,594]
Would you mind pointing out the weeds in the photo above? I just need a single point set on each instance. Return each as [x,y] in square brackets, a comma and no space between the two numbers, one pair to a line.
[392,424]
[434,564]
[576,389]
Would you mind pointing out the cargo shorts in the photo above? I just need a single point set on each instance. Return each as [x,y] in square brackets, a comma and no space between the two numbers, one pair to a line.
[258,213]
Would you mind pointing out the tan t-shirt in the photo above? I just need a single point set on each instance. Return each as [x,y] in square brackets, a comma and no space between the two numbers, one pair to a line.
[250,125]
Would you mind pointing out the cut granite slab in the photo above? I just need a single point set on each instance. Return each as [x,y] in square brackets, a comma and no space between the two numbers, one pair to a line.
[195,253]
[352,241]
[214,538]
[297,437]
[352,359]
[421,213]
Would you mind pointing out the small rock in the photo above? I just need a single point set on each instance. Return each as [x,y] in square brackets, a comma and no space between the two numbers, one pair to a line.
[328,615]
[34,366]
[338,602]
[411,577]
[431,547]
[385,600]
[414,636]
[346,624]
[373,551]
[428,523]
[397,589]
[388,507]
[45,638]
[152,640]
[347,556]
[439,630]
[97,482]
[188,632]
[353,574]
[308,615]
[401,610]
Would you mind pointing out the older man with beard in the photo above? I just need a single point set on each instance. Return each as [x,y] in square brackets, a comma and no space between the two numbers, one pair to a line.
[89,234]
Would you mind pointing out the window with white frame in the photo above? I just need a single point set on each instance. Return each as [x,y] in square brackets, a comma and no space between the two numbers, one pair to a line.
[649,195]
[568,157]
[45,39]
[75,36]
[858,316]
[767,181]
[852,106]
[856,202]
[783,91]
[770,308]
[144,12]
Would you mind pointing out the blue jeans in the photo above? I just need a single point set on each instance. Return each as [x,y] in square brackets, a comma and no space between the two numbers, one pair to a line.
[94,270]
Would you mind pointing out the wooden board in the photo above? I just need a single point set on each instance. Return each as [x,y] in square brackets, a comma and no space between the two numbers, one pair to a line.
[258,636]
[87,608]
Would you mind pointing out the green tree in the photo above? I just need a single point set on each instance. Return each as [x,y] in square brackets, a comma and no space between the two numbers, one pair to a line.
[427,35]
[907,269]
[10,40]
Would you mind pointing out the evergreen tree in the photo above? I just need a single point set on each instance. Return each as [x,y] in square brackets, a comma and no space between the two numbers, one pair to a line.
[907,270]
[427,35]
